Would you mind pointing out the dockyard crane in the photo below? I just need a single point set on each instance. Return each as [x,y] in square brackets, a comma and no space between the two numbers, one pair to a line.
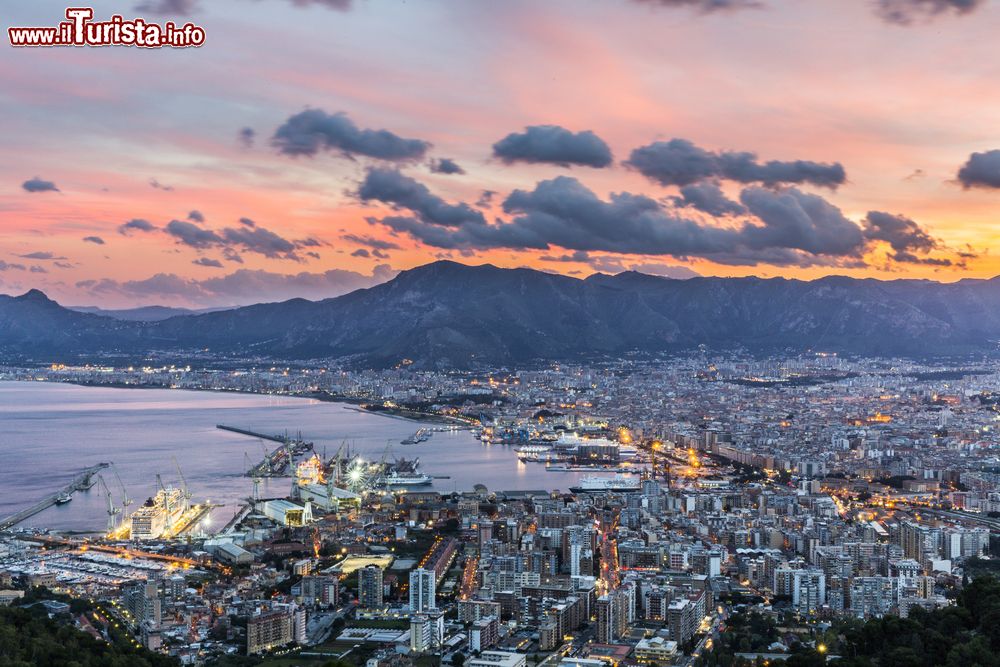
[166,503]
[267,457]
[112,510]
[184,484]
[126,501]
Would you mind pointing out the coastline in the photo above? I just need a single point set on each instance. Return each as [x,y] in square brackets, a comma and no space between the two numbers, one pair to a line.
[349,402]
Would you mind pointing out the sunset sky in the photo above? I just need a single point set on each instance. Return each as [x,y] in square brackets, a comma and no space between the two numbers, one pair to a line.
[311,147]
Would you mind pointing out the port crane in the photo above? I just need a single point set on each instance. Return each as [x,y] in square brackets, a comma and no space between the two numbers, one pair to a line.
[254,474]
[166,503]
[112,510]
[184,485]
[126,501]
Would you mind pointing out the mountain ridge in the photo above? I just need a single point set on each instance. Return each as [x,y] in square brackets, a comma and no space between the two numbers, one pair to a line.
[451,315]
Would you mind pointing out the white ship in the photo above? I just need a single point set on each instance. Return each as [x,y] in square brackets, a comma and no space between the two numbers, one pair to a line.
[595,484]
[408,479]
[158,514]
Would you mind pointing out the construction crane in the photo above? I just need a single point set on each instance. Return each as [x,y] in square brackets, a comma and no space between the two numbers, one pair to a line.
[254,473]
[184,485]
[126,501]
[267,457]
[112,510]
[166,503]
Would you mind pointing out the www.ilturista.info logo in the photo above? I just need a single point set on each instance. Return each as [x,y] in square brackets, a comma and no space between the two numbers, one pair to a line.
[80,30]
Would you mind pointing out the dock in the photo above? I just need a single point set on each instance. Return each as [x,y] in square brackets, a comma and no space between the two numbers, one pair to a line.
[252,434]
[243,513]
[81,482]
[275,463]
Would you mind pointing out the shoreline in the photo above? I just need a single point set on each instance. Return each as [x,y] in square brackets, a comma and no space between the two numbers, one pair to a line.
[350,403]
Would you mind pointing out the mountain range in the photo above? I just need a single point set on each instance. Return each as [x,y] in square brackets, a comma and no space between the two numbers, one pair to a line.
[450,315]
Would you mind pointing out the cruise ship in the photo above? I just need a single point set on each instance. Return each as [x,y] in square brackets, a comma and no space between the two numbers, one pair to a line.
[158,514]
[596,484]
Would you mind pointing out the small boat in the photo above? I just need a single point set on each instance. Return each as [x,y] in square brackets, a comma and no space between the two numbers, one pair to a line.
[63,498]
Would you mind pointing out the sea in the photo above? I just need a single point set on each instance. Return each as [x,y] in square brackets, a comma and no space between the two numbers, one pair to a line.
[49,432]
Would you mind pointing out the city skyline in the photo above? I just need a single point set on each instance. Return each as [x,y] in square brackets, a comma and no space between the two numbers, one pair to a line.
[312,148]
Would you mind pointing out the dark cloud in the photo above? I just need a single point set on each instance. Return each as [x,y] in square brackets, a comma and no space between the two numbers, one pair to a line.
[371,242]
[232,256]
[793,219]
[40,255]
[788,227]
[485,199]
[196,216]
[361,252]
[192,235]
[260,241]
[313,131]
[981,170]
[38,269]
[445,166]
[708,197]
[136,225]
[553,145]
[230,240]
[97,240]
[37,184]
[171,7]
[155,184]
[62,265]
[246,137]
[389,186]
[7,266]
[210,263]
[247,222]
[380,254]
[905,237]
[680,162]
[906,12]
[239,288]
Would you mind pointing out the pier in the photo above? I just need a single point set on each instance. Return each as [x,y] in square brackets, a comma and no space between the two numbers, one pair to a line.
[243,513]
[277,462]
[81,482]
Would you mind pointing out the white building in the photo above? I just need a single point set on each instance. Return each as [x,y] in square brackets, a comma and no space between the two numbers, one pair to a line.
[422,590]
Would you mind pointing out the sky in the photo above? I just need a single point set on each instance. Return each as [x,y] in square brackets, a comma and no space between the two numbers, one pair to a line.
[313,147]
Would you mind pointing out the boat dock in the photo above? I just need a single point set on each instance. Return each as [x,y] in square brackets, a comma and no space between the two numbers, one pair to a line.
[81,482]
[243,513]
[193,518]
[275,463]
[252,434]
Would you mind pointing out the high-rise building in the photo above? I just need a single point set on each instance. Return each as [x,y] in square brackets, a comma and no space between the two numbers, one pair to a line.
[605,620]
[422,590]
[370,593]
[270,630]
[142,600]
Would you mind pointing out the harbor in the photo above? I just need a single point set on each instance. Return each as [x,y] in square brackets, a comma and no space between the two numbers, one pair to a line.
[81,482]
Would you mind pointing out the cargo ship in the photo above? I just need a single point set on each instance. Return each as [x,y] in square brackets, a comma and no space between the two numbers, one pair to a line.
[595,484]
[158,515]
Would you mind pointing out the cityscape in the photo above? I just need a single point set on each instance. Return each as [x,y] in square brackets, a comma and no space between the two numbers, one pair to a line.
[533,333]
[805,491]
